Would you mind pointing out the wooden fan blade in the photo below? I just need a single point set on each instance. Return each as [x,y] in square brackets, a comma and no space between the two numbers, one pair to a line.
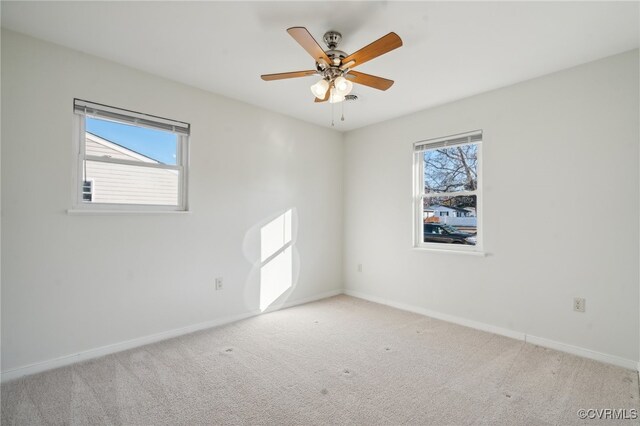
[283,75]
[306,40]
[369,80]
[379,47]
[326,97]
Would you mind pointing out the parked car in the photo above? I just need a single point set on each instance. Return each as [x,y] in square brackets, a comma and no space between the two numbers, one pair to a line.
[441,233]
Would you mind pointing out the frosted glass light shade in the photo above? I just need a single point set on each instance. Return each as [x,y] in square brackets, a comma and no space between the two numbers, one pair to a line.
[343,86]
[319,89]
[335,96]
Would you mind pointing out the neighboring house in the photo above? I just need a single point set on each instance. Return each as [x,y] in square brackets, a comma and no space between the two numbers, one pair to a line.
[122,183]
[450,215]
[437,210]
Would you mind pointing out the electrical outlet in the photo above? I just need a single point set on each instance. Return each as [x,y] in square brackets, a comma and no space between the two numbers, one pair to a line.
[579,304]
[359,267]
[219,283]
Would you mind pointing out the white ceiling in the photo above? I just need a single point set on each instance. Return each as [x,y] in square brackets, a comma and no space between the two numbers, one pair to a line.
[451,50]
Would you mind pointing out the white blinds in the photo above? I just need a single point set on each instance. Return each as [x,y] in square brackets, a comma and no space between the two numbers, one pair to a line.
[460,139]
[129,117]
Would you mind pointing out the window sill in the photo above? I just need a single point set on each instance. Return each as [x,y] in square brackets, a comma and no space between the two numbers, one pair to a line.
[452,251]
[98,212]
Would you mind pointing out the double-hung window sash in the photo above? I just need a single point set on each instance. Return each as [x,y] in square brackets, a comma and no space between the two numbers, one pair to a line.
[129,168]
[452,177]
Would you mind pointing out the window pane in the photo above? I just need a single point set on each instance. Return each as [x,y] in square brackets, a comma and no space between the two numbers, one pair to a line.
[130,142]
[450,220]
[451,169]
[86,191]
[125,184]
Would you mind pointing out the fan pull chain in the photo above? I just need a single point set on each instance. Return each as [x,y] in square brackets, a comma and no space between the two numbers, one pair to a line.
[332,123]
[342,118]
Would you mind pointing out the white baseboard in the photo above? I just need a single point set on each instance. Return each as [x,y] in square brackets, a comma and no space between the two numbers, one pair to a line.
[539,341]
[583,352]
[145,340]
[141,341]
[437,315]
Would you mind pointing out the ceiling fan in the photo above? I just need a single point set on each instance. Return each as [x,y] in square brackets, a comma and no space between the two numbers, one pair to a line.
[335,66]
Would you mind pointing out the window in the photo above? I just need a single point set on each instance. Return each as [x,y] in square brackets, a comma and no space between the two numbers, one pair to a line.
[129,160]
[87,190]
[447,201]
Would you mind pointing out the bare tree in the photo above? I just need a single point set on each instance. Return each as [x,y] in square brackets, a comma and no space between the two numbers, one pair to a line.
[448,170]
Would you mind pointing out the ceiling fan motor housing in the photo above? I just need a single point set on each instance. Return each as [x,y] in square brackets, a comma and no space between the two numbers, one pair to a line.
[332,71]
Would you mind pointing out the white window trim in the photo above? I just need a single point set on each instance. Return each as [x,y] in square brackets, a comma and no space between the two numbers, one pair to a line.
[418,194]
[79,156]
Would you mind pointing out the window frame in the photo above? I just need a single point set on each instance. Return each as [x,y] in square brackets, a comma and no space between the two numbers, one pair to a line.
[419,195]
[79,153]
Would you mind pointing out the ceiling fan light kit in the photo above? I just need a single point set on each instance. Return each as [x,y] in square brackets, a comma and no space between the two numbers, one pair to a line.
[320,88]
[335,96]
[343,86]
[335,66]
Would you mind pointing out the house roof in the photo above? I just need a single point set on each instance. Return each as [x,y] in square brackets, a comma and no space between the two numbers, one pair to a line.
[121,148]
[459,209]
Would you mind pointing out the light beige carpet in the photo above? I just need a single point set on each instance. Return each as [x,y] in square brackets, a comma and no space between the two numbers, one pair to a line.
[337,361]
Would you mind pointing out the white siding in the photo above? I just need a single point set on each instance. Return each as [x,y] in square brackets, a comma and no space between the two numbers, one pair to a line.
[120,183]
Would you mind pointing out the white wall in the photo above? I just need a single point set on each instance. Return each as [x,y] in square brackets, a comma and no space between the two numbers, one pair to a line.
[558,151]
[73,283]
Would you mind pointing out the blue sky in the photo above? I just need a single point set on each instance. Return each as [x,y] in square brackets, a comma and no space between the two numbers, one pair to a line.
[152,143]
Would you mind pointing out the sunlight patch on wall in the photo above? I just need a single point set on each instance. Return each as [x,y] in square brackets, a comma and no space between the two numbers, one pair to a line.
[276,256]
[275,235]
